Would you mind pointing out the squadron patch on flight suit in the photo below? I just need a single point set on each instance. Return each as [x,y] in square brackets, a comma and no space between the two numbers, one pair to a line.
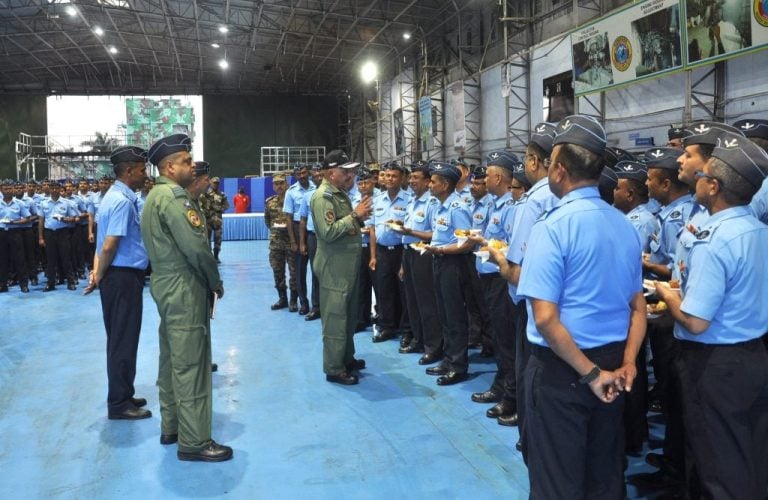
[330,216]
[194,218]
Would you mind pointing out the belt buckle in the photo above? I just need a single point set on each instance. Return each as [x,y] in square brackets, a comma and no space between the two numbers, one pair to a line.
[390,248]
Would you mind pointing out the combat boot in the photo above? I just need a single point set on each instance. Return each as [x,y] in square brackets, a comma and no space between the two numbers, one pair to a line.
[282,303]
[293,306]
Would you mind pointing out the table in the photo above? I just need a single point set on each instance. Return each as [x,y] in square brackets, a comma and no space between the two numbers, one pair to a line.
[245,227]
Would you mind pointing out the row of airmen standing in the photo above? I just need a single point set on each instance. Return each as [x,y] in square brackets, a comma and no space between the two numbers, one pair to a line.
[572,310]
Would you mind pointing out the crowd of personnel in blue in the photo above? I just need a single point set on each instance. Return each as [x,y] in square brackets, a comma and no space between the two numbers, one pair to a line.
[569,265]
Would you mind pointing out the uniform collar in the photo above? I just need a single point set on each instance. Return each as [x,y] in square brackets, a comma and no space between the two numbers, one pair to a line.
[453,197]
[578,194]
[728,213]
[667,209]
[503,199]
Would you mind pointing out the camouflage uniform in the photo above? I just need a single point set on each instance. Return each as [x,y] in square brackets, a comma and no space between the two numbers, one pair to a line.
[214,203]
[279,245]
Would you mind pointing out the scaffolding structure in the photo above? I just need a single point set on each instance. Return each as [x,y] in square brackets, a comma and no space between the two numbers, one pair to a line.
[43,156]
[276,159]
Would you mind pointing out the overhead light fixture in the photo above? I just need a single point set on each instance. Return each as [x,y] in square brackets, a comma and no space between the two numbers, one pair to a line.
[112,49]
[98,30]
[215,45]
[223,29]
[71,11]
[406,36]
[223,64]
[369,72]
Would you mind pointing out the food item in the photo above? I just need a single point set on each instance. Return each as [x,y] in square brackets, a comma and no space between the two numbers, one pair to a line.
[674,283]
[659,307]
[497,244]
[395,222]
[418,244]
[462,233]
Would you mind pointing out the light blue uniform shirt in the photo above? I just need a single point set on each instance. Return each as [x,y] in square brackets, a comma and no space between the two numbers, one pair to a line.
[119,216]
[293,199]
[93,207]
[450,215]
[53,211]
[645,223]
[386,209]
[140,201]
[685,238]
[31,207]
[532,205]
[498,228]
[465,194]
[653,206]
[304,210]
[671,219]
[13,210]
[728,279]
[82,200]
[480,210]
[418,215]
[583,256]
[759,205]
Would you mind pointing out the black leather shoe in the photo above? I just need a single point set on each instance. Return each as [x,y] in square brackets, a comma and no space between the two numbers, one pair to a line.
[49,287]
[383,336]
[71,286]
[452,378]
[655,406]
[280,304]
[168,438]
[430,358]
[130,414]
[214,452]
[343,378]
[214,367]
[519,445]
[139,402]
[410,349]
[437,370]
[488,396]
[33,282]
[406,340]
[303,310]
[499,409]
[313,315]
[508,420]
[24,289]
[355,364]
[293,308]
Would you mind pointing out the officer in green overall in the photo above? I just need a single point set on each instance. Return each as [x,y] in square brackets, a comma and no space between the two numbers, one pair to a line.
[337,264]
[184,280]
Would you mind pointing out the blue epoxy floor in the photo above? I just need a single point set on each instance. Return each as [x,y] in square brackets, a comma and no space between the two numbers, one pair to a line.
[395,435]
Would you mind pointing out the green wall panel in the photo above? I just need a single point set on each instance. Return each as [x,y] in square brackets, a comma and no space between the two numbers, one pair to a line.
[236,127]
[19,114]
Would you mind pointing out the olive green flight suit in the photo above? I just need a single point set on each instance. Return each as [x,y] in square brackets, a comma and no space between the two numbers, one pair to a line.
[184,276]
[337,266]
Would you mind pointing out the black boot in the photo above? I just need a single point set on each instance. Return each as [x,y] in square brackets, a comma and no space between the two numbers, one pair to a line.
[282,303]
[216,256]
[292,305]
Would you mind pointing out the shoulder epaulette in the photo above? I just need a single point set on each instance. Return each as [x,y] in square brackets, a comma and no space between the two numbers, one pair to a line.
[328,194]
[179,192]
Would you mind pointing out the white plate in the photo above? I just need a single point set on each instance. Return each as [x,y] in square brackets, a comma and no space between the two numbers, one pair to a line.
[398,228]
[279,226]
[5,221]
[483,254]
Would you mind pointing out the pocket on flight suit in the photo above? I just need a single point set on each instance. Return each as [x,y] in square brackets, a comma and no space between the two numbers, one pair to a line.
[189,359]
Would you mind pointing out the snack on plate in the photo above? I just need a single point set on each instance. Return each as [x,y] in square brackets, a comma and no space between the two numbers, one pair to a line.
[418,245]
[462,233]
[497,244]
[657,308]
[395,222]
[674,283]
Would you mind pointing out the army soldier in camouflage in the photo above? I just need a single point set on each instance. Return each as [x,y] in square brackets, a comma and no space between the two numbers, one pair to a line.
[337,263]
[214,203]
[184,281]
[279,243]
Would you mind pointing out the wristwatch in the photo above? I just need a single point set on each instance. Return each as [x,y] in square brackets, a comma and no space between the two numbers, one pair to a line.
[592,375]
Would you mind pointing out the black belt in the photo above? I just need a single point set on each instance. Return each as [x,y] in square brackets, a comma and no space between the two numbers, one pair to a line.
[546,352]
[134,270]
[389,247]
[689,345]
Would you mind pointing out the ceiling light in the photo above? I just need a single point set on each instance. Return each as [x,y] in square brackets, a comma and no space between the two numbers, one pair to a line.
[223,29]
[369,72]
[223,64]
[71,11]
[215,45]
[406,36]
[112,49]
[98,30]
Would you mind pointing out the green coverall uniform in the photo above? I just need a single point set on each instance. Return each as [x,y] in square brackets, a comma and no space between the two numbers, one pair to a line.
[337,265]
[184,277]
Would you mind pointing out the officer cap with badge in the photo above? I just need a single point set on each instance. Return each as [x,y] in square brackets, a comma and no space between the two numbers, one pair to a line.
[479,172]
[395,165]
[128,154]
[202,168]
[542,135]
[634,170]
[678,133]
[420,166]
[614,155]
[299,166]
[278,178]
[662,158]
[707,133]
[753,128]
[748,159]
[338,159]
[519,175]
[364,173]
[167,146]
[445,170]
[503,159]
[581,130]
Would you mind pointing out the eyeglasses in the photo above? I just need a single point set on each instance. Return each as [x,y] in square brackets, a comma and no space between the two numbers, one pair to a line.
[700,175]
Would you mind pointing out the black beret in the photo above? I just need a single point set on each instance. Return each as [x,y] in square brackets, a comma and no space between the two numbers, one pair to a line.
[202,168]
[364,173]
[707,133]
[420,166]
[167,146]
[663,158]
[502,158]
[581,130]
[678,133]
[479,173]
[394,165]
[445,169]
[299,166]
[744,156]
[542,135]
[128,154]
[338,159]
[753,128]
[631,170]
